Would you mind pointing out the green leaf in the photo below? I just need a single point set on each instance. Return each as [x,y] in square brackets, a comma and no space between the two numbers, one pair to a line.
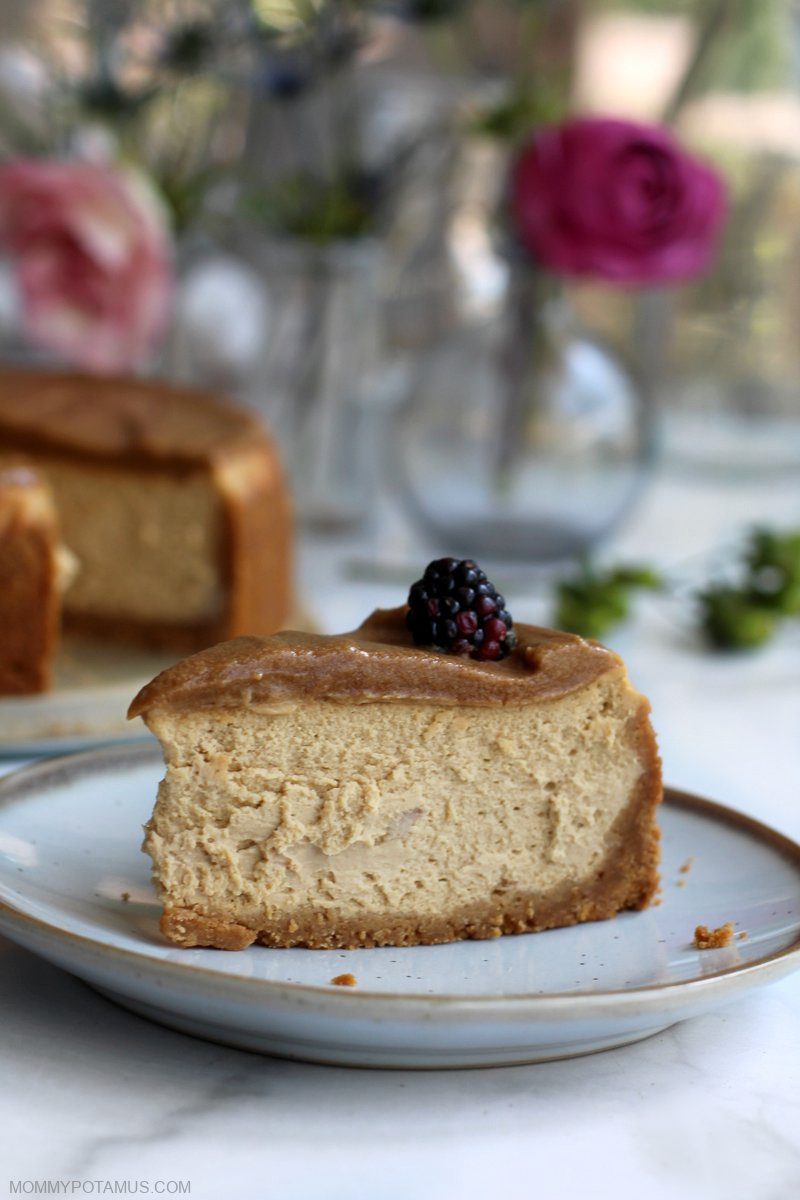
[592,602]
[773,563]
[732,620]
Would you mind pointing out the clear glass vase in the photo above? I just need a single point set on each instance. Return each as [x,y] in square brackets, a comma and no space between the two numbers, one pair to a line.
[320,372]
[524,438]
[294,329]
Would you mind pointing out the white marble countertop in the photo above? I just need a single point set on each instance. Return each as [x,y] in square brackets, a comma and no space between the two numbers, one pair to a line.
[98,1101]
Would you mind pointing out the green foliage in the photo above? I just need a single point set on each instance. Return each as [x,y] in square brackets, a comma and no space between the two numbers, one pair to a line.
[747,614]
[732,620]
[739,615]
[517,114]
[315,210]
[773,565]
[593,601]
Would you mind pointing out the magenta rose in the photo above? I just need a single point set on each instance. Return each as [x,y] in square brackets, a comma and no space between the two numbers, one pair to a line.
[617,200]
[91,255]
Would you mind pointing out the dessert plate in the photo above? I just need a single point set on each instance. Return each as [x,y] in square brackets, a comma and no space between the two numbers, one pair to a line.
[93,684]
[75,889]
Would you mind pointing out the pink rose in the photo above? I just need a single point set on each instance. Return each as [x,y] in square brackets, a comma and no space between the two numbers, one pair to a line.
[91,255]
[617,200]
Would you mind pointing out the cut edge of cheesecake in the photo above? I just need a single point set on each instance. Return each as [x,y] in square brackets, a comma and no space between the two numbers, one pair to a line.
[614,888]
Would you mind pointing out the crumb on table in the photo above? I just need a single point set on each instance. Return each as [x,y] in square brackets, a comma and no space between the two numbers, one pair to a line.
[346,980]
[713,939]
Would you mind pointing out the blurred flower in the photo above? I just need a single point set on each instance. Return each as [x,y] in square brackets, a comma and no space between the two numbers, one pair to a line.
[91,255]
[616,200]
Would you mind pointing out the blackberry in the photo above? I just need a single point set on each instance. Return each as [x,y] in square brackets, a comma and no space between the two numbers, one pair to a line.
[455,608]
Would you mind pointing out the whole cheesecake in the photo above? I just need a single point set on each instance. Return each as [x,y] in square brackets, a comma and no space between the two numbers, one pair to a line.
[361,790]
[172,500]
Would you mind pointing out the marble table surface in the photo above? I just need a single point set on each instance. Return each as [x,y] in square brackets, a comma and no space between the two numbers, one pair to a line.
[95,1100]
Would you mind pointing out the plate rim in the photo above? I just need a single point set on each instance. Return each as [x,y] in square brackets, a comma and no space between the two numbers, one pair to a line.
[27,780]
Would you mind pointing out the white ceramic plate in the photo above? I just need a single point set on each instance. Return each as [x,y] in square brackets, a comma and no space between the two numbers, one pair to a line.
[75,888]
[93,685]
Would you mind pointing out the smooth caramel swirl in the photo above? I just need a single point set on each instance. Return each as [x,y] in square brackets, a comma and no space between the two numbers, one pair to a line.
[376,662]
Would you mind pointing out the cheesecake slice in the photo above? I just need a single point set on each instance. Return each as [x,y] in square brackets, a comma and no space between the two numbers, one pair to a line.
[360,790]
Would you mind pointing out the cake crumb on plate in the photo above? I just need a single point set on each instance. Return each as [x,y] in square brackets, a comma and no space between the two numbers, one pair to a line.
[346,980]
[713,939]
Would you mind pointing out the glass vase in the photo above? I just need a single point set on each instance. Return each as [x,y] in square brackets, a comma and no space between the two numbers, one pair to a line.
[320,372]
[294,330]
[524,439]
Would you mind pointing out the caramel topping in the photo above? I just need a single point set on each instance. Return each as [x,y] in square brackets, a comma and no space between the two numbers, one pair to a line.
[375,662]
[143,420]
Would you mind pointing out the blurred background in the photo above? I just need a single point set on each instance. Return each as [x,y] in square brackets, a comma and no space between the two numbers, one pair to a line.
[331,182]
